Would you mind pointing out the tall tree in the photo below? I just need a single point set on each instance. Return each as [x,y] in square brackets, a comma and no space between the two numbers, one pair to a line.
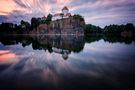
[35,22]
[49,18]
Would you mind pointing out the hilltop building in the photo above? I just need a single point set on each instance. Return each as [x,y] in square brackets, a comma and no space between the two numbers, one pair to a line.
[43,18]
[62,23]
[64,14]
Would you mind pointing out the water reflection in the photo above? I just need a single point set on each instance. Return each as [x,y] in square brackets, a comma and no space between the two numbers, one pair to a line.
[67,62]
[63,45]
[6,56]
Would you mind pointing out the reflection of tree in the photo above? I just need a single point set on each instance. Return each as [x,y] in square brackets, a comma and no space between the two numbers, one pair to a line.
[115,39]
[71,43]
[92,38]
[66,44]
[109,38]
[74,43]
[63,45]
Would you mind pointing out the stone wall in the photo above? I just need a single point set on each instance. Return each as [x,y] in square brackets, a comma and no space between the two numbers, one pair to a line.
[63,26]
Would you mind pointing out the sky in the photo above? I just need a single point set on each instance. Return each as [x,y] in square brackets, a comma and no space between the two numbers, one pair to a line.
[96,12]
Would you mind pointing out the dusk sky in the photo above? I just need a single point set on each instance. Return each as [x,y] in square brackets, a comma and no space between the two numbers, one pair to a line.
[97,12]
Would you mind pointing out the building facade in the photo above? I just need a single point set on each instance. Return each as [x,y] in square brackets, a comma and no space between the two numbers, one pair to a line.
[64,14]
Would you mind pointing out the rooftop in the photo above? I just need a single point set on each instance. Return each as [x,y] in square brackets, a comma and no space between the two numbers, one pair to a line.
[65,8]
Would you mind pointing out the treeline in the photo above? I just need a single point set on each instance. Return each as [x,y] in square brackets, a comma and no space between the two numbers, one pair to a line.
[92,29]
[9,28]
[35,22]
[128,29]
[77,16]
[24,27]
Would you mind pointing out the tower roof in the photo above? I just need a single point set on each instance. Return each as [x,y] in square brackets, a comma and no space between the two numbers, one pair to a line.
[65,8]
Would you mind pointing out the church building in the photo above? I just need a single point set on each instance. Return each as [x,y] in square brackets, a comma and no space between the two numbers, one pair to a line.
[64,14]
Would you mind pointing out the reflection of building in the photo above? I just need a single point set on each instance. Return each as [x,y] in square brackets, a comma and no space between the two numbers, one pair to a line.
[64,53]
[65,14]
[60,44]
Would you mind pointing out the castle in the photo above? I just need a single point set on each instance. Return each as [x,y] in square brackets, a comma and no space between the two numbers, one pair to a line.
[64,14]
[68,26]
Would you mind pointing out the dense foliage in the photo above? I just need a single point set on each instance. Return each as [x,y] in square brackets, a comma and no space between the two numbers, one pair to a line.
[25,25]
[49,18]
[92,29]
[77,16]
[117,29]
[127,29]
[35,22]
[9,28]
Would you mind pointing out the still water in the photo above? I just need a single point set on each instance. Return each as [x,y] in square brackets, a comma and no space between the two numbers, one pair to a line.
[67,62]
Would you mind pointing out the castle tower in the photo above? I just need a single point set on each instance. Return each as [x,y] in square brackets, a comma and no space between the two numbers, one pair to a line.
[65,10]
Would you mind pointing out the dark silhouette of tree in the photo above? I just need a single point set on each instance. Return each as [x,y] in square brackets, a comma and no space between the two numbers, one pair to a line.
[35,22]
[77,16]
[92,29]
[129,26]
[25,25]
[49,18]
[118,29]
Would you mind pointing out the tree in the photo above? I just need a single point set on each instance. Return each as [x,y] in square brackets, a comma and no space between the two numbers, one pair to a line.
[78,17]
[25,24]
[35,22]
[129,26]
[49,18]
[118,29]
[92,29]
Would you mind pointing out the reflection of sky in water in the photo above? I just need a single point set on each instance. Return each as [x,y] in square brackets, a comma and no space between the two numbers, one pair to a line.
[6,56]
[97,60]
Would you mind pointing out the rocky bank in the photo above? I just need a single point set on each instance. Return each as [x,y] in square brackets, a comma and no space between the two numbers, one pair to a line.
[62,26]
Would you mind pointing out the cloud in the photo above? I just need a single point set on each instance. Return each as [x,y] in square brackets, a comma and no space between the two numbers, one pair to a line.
[3,18]
[104,12]
[98,12]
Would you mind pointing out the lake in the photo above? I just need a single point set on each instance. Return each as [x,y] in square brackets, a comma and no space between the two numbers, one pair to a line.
[67,62]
